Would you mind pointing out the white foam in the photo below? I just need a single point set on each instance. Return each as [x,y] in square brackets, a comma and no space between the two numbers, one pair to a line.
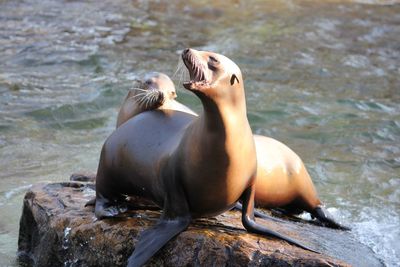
[381,233]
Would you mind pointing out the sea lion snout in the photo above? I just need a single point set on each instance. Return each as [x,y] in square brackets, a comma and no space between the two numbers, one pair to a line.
[200,74]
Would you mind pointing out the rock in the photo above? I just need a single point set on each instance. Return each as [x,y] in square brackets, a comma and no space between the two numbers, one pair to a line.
[57,230]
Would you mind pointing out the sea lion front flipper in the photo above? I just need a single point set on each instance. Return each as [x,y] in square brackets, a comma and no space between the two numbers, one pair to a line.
[104,208]
[327,219]
[175,219]
[251,226]
[153,239]
[257,213]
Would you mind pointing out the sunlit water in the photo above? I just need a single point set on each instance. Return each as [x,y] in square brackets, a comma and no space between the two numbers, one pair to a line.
[321,76]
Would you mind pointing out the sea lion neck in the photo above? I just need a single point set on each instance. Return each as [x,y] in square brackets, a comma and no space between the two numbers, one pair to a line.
[226,110]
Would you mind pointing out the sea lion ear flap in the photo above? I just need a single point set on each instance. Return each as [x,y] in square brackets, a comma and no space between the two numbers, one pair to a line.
[233,78]
[173,94]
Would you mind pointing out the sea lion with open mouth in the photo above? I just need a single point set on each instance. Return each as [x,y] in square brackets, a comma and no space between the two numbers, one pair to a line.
[190,166]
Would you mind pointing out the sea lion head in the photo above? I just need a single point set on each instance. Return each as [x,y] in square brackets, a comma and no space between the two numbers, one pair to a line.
[213,75]
[161,82]
[154,90]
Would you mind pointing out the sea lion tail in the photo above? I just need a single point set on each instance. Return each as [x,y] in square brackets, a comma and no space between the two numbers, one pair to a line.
[327,219]
[153,239]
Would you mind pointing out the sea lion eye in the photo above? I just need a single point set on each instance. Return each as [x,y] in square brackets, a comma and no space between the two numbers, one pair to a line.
[233,78]
[212,63]
[213,60]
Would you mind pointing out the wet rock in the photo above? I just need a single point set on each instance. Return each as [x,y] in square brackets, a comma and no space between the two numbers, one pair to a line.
[57,230]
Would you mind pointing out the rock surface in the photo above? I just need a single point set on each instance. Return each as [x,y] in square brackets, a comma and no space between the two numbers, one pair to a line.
[57,230]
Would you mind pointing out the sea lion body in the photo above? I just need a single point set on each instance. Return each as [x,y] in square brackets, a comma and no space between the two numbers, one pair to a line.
[142,166]
[283,183]
[282,179]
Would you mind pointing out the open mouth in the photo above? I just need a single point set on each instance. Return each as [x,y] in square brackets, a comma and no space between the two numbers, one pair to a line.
[196,70]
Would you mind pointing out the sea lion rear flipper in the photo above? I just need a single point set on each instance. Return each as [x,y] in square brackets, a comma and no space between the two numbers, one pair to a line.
[153,239]
[327,219]
[250,224]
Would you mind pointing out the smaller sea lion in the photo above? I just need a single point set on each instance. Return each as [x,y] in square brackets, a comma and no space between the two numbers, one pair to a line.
[155,91]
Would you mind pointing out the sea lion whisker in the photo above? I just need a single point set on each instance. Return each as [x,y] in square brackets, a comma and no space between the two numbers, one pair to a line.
[154,97]
[137,96]
[182,72]
[179,68]
[147,103]
[145,97]
[152,100]
[184,76]
[141,93]
[152,93]
[139,89]
[141,101]
[148,98]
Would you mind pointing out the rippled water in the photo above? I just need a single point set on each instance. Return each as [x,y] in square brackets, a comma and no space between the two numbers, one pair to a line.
[321,76]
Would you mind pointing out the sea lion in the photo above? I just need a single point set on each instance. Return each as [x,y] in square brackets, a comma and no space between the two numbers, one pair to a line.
[190,166]
[157,91]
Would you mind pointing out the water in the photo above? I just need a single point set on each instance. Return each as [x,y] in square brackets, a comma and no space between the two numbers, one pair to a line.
[321,76]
